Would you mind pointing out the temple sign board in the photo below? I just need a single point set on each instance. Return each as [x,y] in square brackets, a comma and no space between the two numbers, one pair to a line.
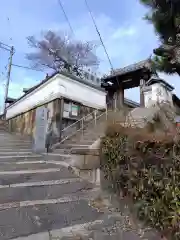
[40,129]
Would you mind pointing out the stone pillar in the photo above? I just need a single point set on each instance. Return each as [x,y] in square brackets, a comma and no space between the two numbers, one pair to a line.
[110,100]
[115,101]
[142,101]
[120,98]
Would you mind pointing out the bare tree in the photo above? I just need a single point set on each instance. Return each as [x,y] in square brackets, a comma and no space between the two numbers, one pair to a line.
[60,52]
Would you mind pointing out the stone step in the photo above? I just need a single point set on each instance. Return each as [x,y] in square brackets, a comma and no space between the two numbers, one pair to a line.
[21,157]
[39,175]
[9,145]
[68,146]
[92,133]
[39,216]
[80,141]
[58,156]
[108,224]
[15,153]
[15,143]
[10,140]
[18,193]
[14,149]
[61,150]
[91,136]
[25,165]
[9,134]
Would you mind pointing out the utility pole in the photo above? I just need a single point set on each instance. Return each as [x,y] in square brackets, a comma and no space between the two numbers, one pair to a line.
[8,79]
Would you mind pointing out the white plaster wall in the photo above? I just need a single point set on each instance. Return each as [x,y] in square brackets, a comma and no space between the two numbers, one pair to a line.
[158,94]
[147,98]
[57,87]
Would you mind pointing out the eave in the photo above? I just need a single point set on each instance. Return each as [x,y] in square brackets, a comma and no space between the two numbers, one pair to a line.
[128,77]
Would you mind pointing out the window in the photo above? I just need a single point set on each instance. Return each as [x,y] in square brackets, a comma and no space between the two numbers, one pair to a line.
[67,107]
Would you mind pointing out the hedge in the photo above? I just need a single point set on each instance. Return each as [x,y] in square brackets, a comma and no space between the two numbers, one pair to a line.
[146,168]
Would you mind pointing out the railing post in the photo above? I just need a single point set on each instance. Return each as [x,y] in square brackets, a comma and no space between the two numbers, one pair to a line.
[106,113]
[82,126]
[95,117]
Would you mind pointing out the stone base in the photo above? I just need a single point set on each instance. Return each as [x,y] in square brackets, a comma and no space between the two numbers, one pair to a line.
[87,164]
[92,176]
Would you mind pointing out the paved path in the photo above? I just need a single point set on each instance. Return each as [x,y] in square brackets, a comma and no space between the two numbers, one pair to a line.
[43,200]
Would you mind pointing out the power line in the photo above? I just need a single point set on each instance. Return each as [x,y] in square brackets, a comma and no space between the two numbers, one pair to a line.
[25,67]
[98,32]
[1,43]
[5,46]
[65,15]
[8,48]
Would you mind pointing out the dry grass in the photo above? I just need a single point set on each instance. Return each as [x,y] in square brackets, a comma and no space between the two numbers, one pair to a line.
[140,134]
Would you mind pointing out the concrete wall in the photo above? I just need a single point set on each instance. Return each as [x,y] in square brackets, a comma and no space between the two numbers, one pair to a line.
[57,87]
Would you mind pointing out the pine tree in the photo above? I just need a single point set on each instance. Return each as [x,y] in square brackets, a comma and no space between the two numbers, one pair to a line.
[165,17]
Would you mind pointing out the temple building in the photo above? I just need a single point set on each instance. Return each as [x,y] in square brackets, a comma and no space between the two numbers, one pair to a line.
[157,90]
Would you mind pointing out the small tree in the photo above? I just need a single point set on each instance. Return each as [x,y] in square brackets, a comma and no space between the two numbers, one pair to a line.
[60,52]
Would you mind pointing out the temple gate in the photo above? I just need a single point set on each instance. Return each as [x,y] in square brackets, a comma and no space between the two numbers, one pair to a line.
[135,75]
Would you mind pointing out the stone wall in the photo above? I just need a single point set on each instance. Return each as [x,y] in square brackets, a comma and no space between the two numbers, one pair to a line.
[25,122]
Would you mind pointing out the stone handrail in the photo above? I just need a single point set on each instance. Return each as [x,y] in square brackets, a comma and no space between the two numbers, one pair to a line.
[87,162]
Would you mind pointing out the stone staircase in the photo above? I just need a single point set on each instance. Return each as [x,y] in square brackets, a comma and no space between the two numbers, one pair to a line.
[94,129]
[80,149]
[84,137]
[91,131]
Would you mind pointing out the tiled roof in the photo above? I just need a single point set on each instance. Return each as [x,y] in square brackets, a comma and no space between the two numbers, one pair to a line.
[131,68]
[156,79]
[9,99]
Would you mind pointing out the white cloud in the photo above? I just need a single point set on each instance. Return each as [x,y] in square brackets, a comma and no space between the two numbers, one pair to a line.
[123,32]
[126,44]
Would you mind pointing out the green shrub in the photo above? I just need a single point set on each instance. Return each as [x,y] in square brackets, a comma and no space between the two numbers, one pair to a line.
[146,168]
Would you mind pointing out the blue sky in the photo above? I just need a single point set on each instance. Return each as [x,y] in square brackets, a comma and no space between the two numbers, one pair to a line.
[127,36]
